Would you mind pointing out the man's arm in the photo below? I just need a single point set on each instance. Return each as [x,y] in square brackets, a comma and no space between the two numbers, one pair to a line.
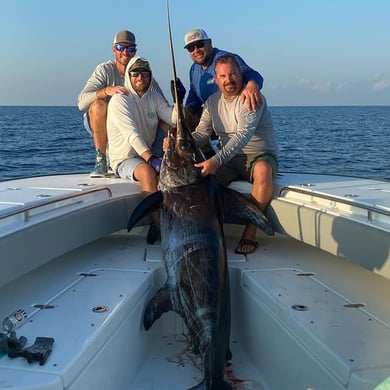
[253,82]
[93,89]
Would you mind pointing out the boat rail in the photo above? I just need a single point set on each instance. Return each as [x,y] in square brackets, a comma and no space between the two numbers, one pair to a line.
[27,209]
[337,200]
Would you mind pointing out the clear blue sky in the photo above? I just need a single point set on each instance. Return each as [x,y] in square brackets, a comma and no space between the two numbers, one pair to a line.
[310,52]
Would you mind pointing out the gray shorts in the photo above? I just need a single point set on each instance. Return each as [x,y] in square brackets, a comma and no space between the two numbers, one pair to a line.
[240,167]
[126,168]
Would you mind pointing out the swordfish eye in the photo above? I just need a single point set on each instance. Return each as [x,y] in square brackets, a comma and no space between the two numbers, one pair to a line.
[185,144]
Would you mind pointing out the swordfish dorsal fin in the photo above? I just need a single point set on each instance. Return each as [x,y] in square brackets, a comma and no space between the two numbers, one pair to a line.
[150,203]
[240,210]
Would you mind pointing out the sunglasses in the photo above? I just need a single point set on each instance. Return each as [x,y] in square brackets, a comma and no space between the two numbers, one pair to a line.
[130,49]
[137,73]
[191,47]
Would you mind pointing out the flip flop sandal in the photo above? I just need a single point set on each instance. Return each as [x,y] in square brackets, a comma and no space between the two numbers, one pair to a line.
[245,241]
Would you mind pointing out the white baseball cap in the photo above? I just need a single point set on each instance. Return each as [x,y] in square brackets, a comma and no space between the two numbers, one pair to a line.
[194,35]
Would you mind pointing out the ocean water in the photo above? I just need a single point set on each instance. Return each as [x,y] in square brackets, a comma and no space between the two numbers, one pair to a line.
[337,140]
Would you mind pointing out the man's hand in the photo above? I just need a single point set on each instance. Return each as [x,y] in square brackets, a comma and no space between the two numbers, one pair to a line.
[208,167]
[181,91]
[114,89]
[251,95]
[155,163]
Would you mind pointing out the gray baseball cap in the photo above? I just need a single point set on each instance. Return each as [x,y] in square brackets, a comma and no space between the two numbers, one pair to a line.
[125,36]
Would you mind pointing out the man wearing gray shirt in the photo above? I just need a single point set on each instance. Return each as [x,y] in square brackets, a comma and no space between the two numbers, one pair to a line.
[248,142]
[106,81]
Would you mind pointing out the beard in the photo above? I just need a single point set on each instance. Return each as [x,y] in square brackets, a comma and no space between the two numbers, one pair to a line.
[230,87]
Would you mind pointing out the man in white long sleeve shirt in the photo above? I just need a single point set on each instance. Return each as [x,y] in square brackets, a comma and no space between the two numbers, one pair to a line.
[249,148]
[106,81]
[132,122]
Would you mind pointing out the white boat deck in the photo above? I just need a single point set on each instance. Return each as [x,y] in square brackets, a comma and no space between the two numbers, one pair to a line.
[290,298]
[302,317]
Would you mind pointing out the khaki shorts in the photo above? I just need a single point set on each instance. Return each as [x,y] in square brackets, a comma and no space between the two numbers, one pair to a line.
[240,167]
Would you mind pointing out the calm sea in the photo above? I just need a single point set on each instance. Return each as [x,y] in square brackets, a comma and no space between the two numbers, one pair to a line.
[341,140]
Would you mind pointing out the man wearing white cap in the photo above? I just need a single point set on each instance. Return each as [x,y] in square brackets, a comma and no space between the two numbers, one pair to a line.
[202,83]
[106,80]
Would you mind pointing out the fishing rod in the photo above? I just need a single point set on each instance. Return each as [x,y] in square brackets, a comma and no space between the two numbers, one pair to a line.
[179,104]
[172,55]
[180,111]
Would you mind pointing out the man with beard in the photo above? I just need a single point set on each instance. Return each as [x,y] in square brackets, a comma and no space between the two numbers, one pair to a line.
[249,148]
[202,83]
[106,81]
[132,122]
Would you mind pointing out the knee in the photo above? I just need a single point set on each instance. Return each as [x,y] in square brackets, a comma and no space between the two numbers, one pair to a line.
[146,175]
[97,109]
[262,173]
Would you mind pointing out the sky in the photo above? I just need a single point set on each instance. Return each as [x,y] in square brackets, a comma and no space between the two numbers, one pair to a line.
[310,52]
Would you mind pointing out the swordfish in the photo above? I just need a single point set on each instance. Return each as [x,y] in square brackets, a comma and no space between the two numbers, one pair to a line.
[193,209]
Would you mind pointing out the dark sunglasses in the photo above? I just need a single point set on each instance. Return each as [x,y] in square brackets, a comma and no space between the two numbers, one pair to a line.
[130,49]
[137,73]
[199,44]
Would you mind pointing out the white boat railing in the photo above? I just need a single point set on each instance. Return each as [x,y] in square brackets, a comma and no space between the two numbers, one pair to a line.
[335,201]
[26,210]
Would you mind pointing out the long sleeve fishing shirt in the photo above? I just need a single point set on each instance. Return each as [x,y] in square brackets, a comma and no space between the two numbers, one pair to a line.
[132,121]
[202,83]
[240,130]
[104,75]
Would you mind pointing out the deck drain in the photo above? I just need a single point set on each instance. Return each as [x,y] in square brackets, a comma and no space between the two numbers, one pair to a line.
[351,196]
[86,274]
[354,305]
[100,309]
[43,196]
[43,306]
[299,307]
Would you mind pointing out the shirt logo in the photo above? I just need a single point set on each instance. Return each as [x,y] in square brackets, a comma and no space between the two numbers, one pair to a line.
[151,115]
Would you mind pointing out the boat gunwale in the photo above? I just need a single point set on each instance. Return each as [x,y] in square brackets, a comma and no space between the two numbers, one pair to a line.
[25,209]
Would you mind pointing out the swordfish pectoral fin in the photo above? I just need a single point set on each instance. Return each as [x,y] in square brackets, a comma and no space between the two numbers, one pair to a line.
[151,203]
[159,304]
[238,209]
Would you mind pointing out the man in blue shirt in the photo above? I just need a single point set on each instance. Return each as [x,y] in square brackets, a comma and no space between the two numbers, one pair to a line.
[202,83]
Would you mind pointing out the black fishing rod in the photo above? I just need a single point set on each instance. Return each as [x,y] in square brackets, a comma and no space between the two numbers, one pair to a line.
[172,54]
[179,104]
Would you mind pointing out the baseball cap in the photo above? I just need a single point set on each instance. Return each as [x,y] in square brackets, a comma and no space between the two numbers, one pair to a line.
[124,36]
[194,35]
[140,64]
